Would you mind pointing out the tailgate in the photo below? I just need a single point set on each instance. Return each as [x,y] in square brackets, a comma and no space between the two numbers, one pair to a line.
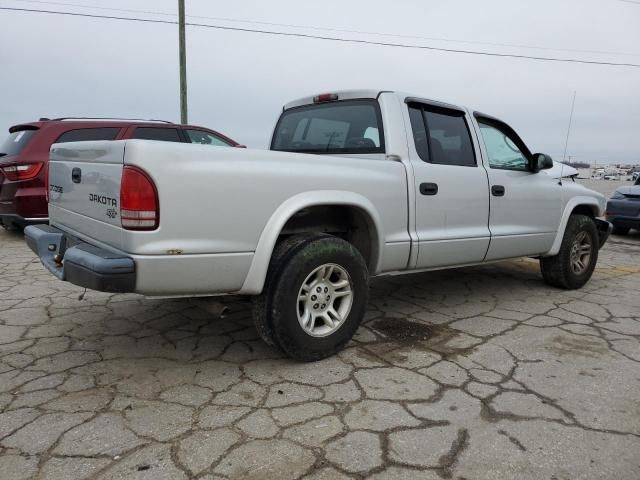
[84,189]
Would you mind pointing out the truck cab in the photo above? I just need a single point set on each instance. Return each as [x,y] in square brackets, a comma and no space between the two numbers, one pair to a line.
[476,191]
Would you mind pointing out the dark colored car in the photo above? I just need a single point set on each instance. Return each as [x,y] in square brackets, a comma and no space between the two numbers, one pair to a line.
[623,209]
[24,154]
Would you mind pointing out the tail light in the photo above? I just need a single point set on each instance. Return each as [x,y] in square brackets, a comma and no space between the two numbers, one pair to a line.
[139,206]
[22,172]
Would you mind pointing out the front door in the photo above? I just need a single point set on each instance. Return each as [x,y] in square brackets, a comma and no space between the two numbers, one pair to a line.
[525,206]
[451,189]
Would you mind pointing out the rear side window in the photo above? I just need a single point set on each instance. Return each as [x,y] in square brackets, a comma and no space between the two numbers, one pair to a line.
[16,142]
[441,136]
[152,133]
[350,126]
[88,134]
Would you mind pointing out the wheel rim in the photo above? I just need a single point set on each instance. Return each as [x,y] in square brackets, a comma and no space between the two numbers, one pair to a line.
[580,257]
[324,300]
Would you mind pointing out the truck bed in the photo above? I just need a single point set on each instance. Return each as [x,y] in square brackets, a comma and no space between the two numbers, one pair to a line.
[215,204]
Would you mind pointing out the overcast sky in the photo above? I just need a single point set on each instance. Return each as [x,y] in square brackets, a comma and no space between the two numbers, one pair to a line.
[58,66]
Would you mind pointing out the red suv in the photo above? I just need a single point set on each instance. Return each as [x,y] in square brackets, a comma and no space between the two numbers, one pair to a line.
[24,154]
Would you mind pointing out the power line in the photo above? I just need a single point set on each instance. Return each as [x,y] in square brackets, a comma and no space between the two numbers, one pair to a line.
[329,29]
[334,39]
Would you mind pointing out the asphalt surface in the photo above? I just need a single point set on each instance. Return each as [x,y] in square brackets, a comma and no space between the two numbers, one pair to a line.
[476,373]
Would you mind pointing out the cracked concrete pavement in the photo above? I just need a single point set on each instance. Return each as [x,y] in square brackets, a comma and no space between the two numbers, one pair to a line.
[477,373]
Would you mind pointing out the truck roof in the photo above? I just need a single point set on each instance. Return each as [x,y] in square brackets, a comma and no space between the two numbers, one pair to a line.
[368,93]
[343,94]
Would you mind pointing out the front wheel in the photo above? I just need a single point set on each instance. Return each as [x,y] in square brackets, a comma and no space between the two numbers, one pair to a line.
[316,296]
[573,266]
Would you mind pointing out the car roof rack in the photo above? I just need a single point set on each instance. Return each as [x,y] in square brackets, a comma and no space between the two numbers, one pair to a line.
[111,119]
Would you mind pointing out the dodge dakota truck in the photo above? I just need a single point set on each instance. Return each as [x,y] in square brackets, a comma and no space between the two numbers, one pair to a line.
[355,184]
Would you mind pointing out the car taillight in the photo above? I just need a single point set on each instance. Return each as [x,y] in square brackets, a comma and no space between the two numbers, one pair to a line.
[139,208]
[22,172]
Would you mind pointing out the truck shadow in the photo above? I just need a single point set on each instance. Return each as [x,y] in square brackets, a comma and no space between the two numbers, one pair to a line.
[632,236]
[144,347]
[412,306]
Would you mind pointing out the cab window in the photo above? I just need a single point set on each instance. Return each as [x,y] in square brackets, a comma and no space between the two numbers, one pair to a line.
[341,127]
[502,149]
[441,136]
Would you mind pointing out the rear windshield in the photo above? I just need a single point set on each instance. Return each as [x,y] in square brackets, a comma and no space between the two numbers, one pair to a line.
[15,142]
[350,126]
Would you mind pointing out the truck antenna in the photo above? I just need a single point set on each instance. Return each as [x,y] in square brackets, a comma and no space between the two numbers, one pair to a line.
[566,141]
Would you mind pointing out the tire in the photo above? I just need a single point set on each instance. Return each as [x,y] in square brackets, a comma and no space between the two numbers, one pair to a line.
[310,325]
[561,270]
[620,230]
[261,304]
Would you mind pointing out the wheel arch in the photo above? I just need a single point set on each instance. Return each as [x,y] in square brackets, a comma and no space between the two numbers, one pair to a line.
[577,205]
[282,220]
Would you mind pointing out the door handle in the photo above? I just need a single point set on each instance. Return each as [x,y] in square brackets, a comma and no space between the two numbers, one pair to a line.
[428,188]
[497,191]
[76,175]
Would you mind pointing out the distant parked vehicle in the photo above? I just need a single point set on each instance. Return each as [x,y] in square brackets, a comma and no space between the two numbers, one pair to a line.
[623,208]
[25,152]
[561,170]
[611,177]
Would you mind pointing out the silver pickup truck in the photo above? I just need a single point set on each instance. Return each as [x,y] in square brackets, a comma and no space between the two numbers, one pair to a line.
[355,184]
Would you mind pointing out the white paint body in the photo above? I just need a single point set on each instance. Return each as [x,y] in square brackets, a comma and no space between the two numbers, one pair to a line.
[224,208]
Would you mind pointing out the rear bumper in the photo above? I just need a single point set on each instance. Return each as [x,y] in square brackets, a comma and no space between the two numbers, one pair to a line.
[12,220]
[81,263]
[604,230]
[23,202]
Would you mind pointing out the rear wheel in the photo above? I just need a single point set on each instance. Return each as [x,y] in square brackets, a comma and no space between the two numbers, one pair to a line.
[262,303]
[620,230]
[573,266]
[315,297]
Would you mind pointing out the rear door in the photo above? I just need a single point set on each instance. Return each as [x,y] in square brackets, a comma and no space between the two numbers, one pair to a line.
[84,189]
[452,197]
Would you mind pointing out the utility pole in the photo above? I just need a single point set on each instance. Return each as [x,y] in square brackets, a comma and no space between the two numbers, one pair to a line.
[183,63]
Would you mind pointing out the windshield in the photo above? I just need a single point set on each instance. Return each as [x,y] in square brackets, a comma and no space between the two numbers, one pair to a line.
[15,142]
[350,126]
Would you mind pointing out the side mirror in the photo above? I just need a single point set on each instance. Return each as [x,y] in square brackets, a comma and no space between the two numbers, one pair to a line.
[541,161]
